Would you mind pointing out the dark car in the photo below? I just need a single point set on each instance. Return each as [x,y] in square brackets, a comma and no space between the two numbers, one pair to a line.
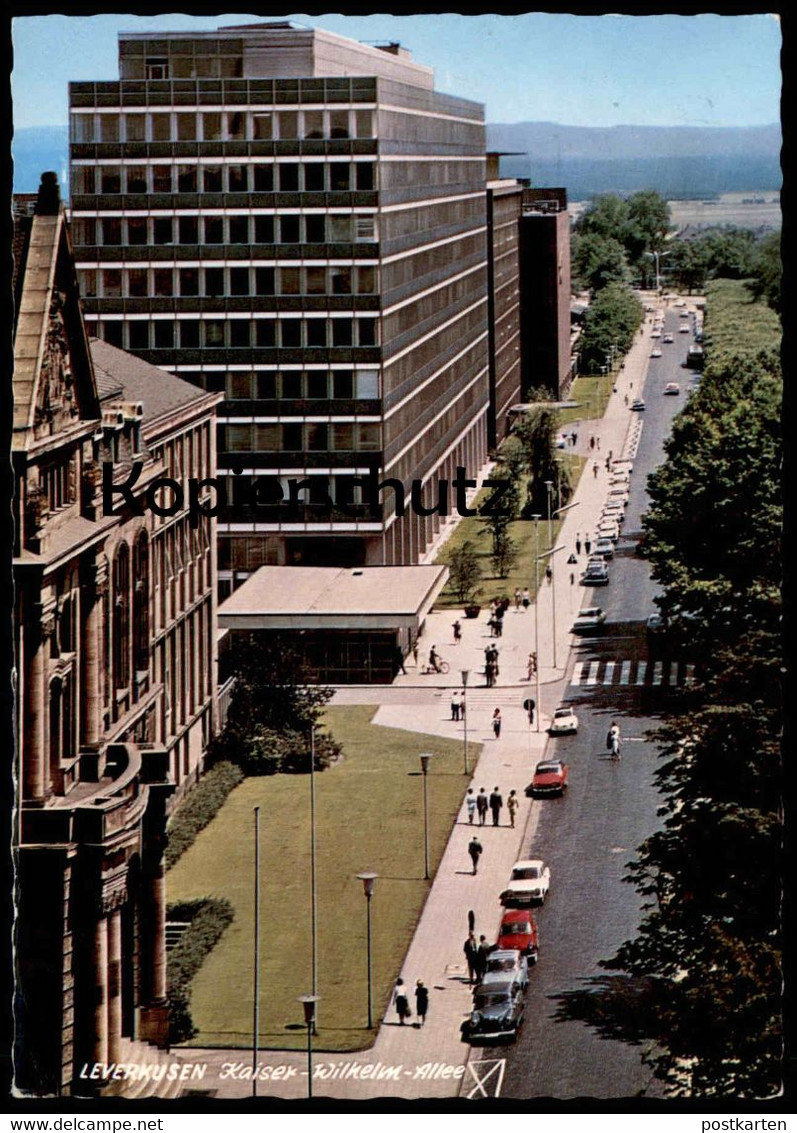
[550,778]
[595,575]
[519,930]
[497,1011]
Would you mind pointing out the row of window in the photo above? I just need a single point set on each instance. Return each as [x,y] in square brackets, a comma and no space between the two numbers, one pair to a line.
[346,436]
[257,177]
[290,228]
[220,126]
[141,283]
[295,385]
[167,334]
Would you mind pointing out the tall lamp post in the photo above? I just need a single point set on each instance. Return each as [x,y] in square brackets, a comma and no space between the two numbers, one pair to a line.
[547,555]
[657,256]
[559,511]
[536,519]
[368,877]
[256,943]
[313,878]
[465,676]
[425,770]
[308,1002]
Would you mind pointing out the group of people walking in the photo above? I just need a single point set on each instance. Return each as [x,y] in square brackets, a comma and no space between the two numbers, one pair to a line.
[478,805]
[401,1001]
[490,666]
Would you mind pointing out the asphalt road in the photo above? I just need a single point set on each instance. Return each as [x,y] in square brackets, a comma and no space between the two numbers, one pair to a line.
[589,837]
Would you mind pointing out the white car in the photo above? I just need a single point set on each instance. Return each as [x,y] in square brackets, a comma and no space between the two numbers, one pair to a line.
[683,329]
[672,388]
[609,529]
[655,334]
[619,492]
[668,338]
[655,354]
[564,722]
[618,478]
[614,510]
[528,884]
[604,547]
[589,619]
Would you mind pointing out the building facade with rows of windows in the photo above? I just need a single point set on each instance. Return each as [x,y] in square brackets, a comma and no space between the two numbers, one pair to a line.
[115,653]
[297,221]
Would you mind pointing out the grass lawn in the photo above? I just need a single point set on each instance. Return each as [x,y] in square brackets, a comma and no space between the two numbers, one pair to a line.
[592,392]
[522,531]
[369,815]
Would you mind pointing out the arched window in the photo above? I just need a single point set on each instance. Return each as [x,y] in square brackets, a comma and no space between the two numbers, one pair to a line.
[120,600]
[141,603]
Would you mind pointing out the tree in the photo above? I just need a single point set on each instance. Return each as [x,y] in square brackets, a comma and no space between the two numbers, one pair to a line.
[766,270]
[504,550]
[536,434]
[606,215]
[612,319]
[646,229]
[465,571]
[599,260]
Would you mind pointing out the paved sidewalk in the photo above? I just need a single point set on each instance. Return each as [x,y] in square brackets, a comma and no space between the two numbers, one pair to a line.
[408,1061]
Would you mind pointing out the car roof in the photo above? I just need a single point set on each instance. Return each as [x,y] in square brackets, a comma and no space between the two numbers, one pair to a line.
[506,954]
[523,862]
[511,916]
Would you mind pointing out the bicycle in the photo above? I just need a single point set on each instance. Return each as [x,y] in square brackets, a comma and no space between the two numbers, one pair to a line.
[442,668]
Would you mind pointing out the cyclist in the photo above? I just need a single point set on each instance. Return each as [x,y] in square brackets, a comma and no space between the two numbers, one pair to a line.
[434,659]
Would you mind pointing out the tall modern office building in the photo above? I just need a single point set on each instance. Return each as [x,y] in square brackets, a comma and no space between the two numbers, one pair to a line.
[297,220]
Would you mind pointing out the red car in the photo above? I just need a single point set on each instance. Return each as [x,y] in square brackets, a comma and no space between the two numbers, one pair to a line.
[550,778]
[519,930]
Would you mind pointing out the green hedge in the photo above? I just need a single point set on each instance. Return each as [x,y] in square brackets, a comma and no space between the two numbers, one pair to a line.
[208,916]
[199,807]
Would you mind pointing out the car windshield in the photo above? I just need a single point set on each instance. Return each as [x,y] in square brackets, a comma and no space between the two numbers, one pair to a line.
[562,712]
[501,964]
[491,999]
[515,928]
[526,873]
[548,768]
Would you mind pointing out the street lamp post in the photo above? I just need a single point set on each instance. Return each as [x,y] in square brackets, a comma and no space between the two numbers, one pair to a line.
[368,877]
[256,943]
[425,769]
[549,489]
[308,1002]
[465,676]
[538,559]
[536,519]
[313,878]
[559,511]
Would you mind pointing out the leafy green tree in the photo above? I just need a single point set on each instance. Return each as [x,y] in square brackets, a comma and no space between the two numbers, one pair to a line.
[766,270]
[613,318]
[599,260]
[606,215]
[646,229]
[465,571]
[504,550]
[536,434]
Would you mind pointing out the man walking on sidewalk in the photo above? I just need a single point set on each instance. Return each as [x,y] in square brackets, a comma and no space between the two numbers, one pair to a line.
[496,802]
[471,948]
[475,850]
[481,805]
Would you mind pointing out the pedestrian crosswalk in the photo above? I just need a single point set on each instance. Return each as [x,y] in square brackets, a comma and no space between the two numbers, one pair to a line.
[661,674]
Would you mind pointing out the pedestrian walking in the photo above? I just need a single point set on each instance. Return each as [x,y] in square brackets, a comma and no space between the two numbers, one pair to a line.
[587,544]
[578,544]
[595,469]
[400,1001]
[591,441]
[471,950]
[482,952]
[470,803]
[512,804]
[462,705]
[532,666]
[613,740]
[625,399]
[457,628]
[598,443]
[497,723]
[526,599]
[574,437]
[496,803]
[455,705]
[608,461]
[475,850]
[518,598]
[572,578]
[549,574]
[481,805]
[421,1001]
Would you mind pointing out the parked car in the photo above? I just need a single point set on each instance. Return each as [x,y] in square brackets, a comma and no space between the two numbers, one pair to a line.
[588,620]
[672,388]
[550,778]
[618,476]
[604,547]
[609,529]
[595,575]
[655,354]
[564,722]
[506,963]
[518,929]
[614,508]
[618,492]
[684,328]
[668,338]
[637,404]
[497,1012]
[655,334]
[620,465]
[528,884]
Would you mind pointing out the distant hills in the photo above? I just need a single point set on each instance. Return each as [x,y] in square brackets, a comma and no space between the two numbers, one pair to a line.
[678,161]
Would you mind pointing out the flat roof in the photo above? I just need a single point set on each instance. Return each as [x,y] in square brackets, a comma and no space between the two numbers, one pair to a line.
[294,597]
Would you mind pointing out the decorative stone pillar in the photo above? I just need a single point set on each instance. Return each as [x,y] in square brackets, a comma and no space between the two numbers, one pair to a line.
[35,754]
[100,967]
[91,652]
[154,1017]
[114,922]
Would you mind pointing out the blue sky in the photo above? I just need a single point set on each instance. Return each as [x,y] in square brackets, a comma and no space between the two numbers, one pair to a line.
[603,70]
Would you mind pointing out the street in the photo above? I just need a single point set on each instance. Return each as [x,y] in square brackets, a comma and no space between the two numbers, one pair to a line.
[589,836]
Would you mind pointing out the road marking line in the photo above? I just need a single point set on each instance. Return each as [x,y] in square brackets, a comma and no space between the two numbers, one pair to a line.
[577,671]
[592,679]
[496,1068]
[608,676]
[641,669]
[657,673]
[625,673]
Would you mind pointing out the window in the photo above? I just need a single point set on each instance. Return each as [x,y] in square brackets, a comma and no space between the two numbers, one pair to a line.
[214,230]
[289,177]
[342,384]
[289,230]
[87,281]
[161,178]
[264,178]
[83,128]
[291,438]
[267,438]
[186,127]
[163,334]
[262,127]
[288,124]
[291,333]
[138,335]
[366,332]
[341,281]
[162,230]
[239,438]
[264,281]
[339,229]
[314,177]
[211,178]
[236,122]
[366,280]
[239,386]
[157,68]
[112,230]
[189,334]
[83,231]
[189,229]
[137,283]
[121,618]
[291,386]
[135,127]
[109,128]
[265,332]
[314,123]
[316,281]
[341,332]
[368,437]
[214,281]
[364,123]
[83,180]
[343,437]
[189,281]
[368,383]
[364,173]
[316,385]
[266,384]
[317,438]
[264,229]
[162,282]
[238,182]
[112,283]
[239,281]
[338,123]
[160,127]
[365,228]
[136,176]
[214,332]
[239,229]
[289,281]
[339,176]
[186,178]
[110,179]
[315,229]
[239,333]
[211,126]
[316,332]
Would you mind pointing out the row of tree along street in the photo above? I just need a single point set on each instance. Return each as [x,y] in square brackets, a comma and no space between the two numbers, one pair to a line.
[702,980]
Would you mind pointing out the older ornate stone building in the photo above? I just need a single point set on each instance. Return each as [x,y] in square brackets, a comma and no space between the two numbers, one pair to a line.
[115,665]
